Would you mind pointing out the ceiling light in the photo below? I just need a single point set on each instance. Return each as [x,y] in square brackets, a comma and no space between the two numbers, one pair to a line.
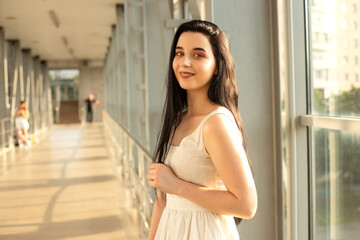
[54,18]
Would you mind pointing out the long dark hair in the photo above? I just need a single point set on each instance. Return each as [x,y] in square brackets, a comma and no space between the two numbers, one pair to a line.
[222,90]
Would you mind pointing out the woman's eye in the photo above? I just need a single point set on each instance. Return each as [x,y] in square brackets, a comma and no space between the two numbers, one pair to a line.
[179,54]
[198,55]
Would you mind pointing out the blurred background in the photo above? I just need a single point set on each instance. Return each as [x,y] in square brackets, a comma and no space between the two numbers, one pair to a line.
[298,69]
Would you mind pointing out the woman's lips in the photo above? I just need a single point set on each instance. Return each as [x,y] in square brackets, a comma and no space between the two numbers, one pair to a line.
[186,74]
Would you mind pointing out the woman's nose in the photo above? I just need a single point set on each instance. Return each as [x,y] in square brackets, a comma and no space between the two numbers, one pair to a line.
[186,61]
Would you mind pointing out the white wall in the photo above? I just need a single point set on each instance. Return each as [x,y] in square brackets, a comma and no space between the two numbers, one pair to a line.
[248,27]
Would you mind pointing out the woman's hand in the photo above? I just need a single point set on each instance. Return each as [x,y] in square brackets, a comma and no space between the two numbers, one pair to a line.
[162,177]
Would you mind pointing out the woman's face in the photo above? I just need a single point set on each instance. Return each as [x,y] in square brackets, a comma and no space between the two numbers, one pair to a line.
[194,64]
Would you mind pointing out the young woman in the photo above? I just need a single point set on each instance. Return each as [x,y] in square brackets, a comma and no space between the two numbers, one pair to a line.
[201,173]
[22,124]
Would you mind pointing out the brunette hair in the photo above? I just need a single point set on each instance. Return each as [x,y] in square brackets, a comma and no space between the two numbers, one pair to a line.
[222,90]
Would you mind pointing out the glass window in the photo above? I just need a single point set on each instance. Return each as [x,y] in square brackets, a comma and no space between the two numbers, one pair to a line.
[335,155]
[343,6]
[340,95]
[335,170]
[320,74]
[178,11]
[344,24]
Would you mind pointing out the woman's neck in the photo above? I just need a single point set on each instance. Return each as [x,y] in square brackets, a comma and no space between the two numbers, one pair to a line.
[198,103]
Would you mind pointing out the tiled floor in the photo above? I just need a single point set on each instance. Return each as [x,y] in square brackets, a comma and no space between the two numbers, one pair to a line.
[66,188]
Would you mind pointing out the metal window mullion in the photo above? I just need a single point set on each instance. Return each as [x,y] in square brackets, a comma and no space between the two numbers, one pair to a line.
[299,139]
[146,80]
[128,60]
[290,131]
[118,73]
[120,42]
[329,122]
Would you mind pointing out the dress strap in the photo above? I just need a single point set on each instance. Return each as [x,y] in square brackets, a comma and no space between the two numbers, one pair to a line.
[223,111]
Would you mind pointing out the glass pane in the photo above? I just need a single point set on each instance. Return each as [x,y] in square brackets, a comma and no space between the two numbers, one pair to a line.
[334,57]
[178,9]
[336,184]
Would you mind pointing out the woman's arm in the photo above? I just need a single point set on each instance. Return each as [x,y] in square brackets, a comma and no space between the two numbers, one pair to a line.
[26,115]
[158,208]
[223,142]
[19,113]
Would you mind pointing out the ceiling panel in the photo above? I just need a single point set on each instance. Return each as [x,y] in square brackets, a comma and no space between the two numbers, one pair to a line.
[86,24]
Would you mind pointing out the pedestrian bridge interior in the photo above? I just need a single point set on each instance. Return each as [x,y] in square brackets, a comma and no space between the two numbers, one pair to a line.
[81,174]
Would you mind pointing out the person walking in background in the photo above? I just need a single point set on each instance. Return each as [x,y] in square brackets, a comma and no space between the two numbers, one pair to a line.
[22,124]
[90,102]
[201,168]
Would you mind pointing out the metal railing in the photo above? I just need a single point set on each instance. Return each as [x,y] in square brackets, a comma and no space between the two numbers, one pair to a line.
[6,136]
[133,160]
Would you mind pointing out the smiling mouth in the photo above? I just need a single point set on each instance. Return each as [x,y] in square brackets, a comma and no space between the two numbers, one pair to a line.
[186,74]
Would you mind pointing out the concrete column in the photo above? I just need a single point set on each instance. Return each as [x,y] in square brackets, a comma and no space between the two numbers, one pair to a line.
[36,94]
[3,76]
[13,45]
[44,94]
[249,29]
[26,60]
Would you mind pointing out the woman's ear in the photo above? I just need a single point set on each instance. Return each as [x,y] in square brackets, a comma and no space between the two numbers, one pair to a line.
[216,72]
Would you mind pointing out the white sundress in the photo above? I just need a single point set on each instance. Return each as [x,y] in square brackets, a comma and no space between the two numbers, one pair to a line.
[21,123]
[181,218]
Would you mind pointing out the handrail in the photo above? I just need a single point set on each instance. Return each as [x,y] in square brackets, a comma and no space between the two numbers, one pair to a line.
[5,135]
[135,141]
[133,161]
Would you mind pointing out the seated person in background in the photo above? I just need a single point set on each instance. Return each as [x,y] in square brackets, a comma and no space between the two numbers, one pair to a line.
[22,124]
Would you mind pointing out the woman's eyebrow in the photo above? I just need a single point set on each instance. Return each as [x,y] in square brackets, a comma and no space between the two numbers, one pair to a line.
[200,49]
[197,48]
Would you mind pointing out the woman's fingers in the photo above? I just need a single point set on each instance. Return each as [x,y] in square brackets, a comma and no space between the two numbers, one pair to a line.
[153,174]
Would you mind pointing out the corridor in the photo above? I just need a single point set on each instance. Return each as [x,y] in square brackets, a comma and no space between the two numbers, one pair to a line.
[66,187]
